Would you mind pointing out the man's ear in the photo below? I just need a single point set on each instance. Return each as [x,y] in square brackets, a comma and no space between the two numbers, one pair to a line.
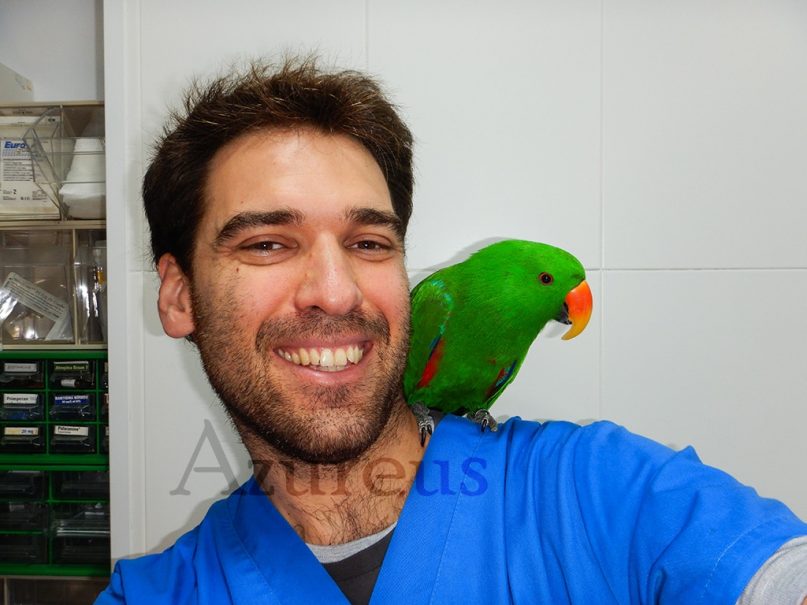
[174,302]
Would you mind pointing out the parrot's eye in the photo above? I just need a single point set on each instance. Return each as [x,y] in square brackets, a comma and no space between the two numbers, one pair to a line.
[546,278]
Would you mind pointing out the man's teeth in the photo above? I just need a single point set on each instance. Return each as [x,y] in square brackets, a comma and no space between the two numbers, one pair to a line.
[324,358]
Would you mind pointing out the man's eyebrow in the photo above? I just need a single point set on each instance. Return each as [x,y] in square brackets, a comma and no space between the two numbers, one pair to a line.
[373,216]
[246,220]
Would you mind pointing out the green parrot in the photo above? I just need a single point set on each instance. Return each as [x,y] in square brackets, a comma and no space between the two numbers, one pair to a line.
[473,323]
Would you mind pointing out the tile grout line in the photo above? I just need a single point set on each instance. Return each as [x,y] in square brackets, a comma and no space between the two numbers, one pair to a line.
[697,269]
[603,271]
[367,35]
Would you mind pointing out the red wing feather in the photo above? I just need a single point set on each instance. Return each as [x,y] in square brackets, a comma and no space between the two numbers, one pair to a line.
[431,366]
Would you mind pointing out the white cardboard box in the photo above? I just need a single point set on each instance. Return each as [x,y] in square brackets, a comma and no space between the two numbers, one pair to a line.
[21,198]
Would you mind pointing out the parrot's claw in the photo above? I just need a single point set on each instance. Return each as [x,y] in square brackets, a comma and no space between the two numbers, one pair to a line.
[484,418]
[424,420]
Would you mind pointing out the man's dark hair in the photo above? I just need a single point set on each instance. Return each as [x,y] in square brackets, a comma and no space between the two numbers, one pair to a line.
[295,94]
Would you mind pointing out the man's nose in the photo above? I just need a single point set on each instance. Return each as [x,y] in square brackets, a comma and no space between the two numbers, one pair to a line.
[329,282]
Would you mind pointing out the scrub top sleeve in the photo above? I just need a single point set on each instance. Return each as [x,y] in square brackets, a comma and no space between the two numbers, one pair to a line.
[166,578]
[113,593]
[669,528]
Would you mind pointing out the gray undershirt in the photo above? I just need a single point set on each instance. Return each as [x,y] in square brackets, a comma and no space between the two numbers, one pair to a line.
[339,552]
[782,580]
[355,566]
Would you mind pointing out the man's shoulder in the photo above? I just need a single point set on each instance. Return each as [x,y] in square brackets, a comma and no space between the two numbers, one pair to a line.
[554,437]
[585,432]
[553,454]
[167,575]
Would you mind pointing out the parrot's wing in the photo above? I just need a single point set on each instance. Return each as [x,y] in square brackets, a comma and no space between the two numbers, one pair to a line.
[505,377]
[432,304]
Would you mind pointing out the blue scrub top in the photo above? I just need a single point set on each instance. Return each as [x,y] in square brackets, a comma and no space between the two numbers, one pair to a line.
[534,513]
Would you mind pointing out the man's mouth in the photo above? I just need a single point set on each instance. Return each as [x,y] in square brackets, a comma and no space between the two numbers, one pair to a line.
[325,359]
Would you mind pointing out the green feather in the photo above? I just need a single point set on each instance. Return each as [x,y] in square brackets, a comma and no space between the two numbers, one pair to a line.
[483,314]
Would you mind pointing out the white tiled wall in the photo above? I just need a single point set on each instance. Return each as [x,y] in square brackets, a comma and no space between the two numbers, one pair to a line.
[57,44]
[704,134]
[716,359]
[663,143]
[504,102]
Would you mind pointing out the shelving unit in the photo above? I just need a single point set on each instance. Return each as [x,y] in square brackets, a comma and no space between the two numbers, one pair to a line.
[52,230]
[54,498]
[66,261]
[54,399]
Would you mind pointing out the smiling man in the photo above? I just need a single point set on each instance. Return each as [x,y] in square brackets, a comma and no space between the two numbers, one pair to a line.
[304,254]
[278,204]
[299,307]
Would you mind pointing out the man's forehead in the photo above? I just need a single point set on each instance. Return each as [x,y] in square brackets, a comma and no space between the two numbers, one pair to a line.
[284,149]
[304,171]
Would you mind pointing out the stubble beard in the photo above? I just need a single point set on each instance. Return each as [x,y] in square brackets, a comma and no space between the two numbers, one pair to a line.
[303,422]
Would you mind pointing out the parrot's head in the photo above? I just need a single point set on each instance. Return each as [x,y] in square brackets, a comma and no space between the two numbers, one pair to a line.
[541,283]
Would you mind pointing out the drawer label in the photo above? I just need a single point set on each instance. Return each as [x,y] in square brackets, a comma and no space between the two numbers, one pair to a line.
[21,431]
[19,398]
[71,400]
[19,367]
[78,431]
[62,367]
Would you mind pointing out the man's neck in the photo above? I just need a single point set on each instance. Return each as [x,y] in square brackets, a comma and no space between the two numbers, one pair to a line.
[334,504]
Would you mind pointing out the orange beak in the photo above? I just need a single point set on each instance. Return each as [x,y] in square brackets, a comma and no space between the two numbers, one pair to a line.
[579,304]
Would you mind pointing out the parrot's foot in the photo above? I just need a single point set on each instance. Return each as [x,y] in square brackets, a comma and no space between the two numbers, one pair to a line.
[424,420]
[484,418]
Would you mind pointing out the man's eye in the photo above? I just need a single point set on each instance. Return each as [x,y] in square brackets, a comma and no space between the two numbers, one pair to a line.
[263,246]
[369,245]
